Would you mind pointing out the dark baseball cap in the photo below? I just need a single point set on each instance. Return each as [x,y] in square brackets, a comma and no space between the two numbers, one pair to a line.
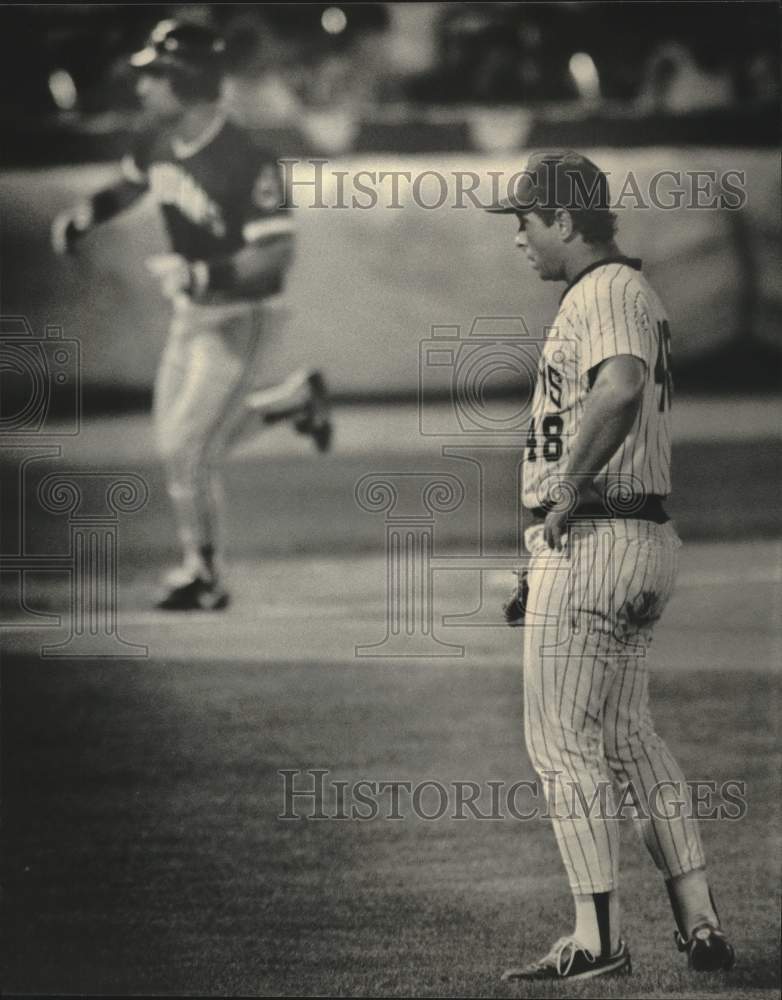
[180,45]
[556,180]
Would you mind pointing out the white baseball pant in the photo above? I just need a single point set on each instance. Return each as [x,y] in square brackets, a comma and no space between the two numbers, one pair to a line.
[589,621]
[206,371]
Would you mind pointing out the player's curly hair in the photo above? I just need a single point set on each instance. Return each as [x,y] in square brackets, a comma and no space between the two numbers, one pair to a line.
[596,225]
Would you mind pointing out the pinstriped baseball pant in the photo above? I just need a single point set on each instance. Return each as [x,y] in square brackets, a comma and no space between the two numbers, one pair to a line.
[589,733]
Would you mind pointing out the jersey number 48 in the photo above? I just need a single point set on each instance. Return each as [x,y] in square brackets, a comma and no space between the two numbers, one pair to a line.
[549,442]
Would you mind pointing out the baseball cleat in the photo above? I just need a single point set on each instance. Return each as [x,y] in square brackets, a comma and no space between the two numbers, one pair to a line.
[316,419]
[194,594]
[515,608]
[570,960]
[708,950]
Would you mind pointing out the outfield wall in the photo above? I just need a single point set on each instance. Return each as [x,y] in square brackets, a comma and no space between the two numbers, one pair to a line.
[368,285]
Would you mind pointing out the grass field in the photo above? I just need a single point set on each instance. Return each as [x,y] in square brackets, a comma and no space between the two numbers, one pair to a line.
[143,846]
[144,853]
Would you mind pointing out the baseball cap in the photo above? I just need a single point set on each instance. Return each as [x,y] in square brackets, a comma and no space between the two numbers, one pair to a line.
[556,180]
[180,45]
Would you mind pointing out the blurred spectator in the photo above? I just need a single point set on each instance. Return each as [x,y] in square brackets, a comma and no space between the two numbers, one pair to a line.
[711,56]
[675,82]
[323,58]
[486,53]
[761,78]
[261,88]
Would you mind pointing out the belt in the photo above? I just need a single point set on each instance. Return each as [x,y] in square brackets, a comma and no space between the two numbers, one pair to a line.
[641,508]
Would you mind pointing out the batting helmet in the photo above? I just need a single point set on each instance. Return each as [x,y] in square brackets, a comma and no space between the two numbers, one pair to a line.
[190,54]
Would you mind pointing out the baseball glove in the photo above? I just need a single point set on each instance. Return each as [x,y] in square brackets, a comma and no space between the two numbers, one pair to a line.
[515,608]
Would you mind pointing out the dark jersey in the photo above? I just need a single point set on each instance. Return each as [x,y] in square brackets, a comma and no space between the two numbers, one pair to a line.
[216,195]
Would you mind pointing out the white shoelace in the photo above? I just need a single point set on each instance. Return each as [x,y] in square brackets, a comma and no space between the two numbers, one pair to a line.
[563,954]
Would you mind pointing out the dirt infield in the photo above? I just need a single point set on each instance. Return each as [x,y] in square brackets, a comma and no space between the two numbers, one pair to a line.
[724,615]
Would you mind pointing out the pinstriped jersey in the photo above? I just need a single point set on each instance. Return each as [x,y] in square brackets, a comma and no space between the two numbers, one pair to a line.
[608,310]
[215,194]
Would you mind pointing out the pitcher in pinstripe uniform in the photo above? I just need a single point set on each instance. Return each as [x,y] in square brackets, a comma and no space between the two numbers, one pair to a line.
[603,562]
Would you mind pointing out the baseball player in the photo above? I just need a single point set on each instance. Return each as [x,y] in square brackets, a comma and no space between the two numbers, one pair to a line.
[232,243]
[603,557]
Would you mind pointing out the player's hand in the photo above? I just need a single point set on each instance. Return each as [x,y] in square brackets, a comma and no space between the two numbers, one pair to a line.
[172,271]
[69,226]
[555,529]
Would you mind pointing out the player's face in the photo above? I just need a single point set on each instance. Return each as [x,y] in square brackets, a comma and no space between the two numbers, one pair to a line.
[542,245]
[158,97]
